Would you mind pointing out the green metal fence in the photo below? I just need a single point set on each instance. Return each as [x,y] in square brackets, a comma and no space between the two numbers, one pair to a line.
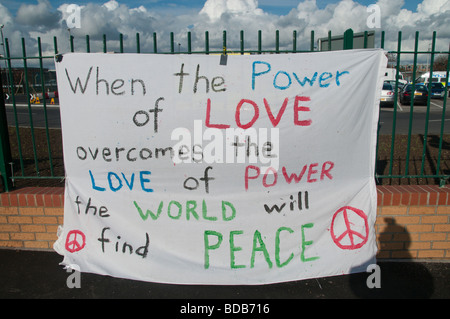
[31,155]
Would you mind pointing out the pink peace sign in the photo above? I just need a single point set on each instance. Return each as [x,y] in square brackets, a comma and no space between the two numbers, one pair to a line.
[75,241]
[349,228]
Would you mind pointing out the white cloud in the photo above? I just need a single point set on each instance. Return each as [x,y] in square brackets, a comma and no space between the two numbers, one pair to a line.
[214,9]
[7,18]
[431,7]
[115,16]
[390,8]
[111,5]
[38,16]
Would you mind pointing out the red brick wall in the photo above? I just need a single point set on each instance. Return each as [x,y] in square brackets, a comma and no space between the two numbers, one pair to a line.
[29,217]
[412,221]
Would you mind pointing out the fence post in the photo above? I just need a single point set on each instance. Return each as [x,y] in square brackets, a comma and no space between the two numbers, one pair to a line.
[5,149]
[348,39]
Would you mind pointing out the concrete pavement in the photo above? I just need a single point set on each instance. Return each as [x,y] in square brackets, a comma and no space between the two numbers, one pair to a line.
[38,275]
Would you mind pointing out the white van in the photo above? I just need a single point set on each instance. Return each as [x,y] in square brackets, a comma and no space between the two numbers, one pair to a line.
[390,74]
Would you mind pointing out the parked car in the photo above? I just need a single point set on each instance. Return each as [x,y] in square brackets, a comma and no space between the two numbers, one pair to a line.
[392,82]
[420,94]
[437,90]
[387,94]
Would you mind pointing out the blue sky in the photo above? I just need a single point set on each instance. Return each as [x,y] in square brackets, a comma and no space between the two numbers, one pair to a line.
[283,7]
[278,7]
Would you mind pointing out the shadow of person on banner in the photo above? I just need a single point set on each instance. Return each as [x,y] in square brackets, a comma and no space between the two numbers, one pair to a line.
[397,278]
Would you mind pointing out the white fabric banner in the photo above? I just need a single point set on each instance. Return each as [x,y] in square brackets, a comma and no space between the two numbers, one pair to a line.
[197,169]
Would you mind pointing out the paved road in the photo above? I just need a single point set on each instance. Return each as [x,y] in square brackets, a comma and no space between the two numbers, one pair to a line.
[418,119]
[37,115]
[34,274]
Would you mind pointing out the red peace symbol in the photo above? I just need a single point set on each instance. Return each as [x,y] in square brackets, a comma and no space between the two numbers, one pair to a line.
[349,228]
[75,241]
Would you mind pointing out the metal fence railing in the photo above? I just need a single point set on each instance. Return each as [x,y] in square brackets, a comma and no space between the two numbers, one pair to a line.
[410,152]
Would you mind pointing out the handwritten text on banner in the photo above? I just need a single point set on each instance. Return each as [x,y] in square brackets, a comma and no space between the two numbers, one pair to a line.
[185,169]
